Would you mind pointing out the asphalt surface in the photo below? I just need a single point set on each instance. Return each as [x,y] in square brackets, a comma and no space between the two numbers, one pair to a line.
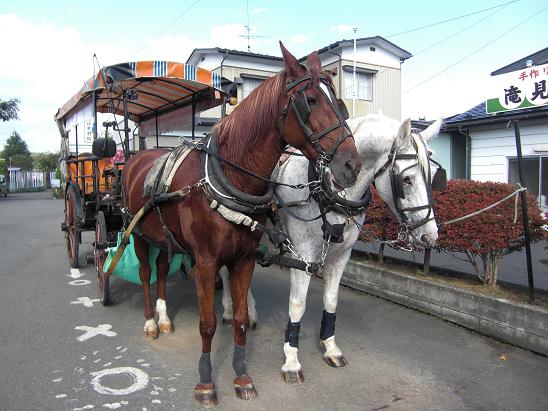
[399,359]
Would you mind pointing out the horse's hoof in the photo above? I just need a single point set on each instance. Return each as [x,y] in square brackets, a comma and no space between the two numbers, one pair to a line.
[293,377]
[205,395]
[151,334]
[244,387]
[253,324]
[166,328]
[336,362]
[227,321]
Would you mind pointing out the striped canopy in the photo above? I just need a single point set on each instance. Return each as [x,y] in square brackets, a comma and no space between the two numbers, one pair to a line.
[161,87]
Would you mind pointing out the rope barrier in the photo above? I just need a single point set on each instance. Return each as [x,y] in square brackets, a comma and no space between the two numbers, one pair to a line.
[515,193]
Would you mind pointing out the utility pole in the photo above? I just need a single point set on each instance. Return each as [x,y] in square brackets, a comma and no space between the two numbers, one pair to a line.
[354,82]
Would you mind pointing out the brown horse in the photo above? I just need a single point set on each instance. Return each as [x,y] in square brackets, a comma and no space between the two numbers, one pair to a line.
[253,136]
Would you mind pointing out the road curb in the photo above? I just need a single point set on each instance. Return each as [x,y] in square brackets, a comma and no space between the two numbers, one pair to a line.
[518,324]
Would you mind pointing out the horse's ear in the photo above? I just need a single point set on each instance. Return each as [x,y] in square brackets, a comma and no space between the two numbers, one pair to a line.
[292,66]
[313,60]
[404,135]
[433,130]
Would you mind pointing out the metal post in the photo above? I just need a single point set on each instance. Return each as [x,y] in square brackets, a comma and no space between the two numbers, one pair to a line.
[525,215]
[426,266]
[126,127]
[157,138]
[354,85]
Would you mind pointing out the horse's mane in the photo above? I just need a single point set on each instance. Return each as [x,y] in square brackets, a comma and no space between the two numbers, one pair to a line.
[255,116]
[422,152]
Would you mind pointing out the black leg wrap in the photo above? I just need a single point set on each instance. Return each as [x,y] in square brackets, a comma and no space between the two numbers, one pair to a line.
[327,328]
[238,360]
[292,333]
[204,368]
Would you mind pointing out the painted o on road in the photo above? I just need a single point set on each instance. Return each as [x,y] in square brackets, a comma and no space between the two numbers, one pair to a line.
[139,380]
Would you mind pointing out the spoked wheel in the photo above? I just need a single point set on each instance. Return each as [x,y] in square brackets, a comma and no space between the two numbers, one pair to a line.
[100,256]
[72,233]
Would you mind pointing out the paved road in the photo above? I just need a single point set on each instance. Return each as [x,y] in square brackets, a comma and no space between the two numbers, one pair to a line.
[400,359]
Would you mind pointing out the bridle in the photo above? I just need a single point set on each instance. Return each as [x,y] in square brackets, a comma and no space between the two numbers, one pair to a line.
[397,182]
[298,102]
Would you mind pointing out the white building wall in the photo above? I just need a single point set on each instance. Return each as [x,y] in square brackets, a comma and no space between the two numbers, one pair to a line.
[379,57]
[492,147]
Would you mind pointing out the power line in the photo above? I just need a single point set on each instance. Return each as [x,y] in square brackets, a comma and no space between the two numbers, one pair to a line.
[499,9]
[169,25]
[451,19]
[475,51]
[461,31]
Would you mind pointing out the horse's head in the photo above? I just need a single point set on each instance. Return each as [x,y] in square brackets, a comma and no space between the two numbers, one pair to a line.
[313,119]
[406,181]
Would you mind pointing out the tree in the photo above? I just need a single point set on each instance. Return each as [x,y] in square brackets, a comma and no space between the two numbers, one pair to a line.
[17,153]
[489,235]
[46,162]
[9,110]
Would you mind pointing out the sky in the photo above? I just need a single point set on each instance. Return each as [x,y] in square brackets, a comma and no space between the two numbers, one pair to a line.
[47,47]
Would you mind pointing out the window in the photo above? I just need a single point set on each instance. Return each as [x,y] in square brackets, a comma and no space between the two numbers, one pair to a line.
[363,88]
[250,84]
[535,176]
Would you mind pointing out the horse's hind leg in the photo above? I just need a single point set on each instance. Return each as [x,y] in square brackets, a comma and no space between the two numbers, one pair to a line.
[227,302]
[205,271]
[141,250]
[240,279]
[162,265]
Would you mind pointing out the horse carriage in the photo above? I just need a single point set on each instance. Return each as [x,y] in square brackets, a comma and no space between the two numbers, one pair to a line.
[148,96]
[211,199]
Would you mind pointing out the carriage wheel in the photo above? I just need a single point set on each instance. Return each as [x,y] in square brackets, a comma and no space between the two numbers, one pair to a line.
[100,255]
[72,234]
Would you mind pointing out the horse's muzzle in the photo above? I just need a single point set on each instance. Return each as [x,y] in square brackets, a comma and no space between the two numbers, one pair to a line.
[345,167]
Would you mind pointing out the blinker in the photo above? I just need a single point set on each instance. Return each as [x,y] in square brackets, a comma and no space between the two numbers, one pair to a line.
[439,182]
[301,106]
[343,109]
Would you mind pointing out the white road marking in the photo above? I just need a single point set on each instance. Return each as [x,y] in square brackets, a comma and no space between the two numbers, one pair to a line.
[139,380]
[101,329]
[58,379]
[61,396]
[85,407]
[85,301]
[75,273]
[79,282]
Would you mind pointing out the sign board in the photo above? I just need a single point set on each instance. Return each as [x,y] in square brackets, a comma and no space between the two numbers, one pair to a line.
[519,89]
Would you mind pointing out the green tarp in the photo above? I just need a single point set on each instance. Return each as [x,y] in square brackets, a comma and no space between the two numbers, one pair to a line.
[128,266]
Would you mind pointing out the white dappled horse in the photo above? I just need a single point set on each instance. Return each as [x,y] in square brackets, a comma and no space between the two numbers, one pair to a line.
[397,161]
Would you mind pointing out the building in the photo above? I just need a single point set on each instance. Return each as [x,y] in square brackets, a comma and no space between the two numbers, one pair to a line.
[377,85]
[482,145]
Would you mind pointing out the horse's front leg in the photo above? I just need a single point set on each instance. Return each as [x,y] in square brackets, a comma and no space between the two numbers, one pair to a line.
[205,270]
[292,370]
[141,250]
[227,302]
[162,265]
[241,272]
[333,271]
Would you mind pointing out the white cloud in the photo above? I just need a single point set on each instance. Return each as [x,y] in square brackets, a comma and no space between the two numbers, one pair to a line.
[341,28]
[261,10]
[299,38]
[229,36]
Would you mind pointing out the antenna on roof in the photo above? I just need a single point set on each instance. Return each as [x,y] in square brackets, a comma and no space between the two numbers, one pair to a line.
[247,27]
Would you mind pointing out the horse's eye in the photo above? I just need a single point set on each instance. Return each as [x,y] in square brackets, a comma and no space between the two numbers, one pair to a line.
[407,180]
[311,101]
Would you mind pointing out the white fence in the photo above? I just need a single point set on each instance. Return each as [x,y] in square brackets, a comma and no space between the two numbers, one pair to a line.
[28,180]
